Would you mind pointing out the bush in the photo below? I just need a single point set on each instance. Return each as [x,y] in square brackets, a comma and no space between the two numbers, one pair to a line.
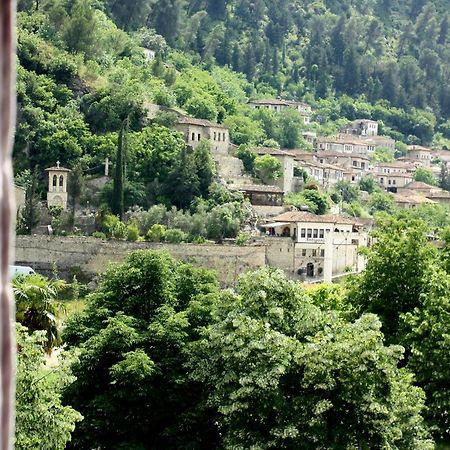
[132,232]
[156,233]
[99,235]
[242,238]
[175,236]
[119,231]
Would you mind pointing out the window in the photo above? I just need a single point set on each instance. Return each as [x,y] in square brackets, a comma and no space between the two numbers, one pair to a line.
[315,233]
[389,181]
[322,253]
[355,163]
[303,251]
[314,253]
[223,137]
[303,232]
[61,181]
[321,235]
[393,181]
[215,136]
[198,136]
[193,137]
[309,233]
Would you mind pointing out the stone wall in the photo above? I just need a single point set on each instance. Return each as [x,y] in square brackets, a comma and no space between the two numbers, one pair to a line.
[87,256]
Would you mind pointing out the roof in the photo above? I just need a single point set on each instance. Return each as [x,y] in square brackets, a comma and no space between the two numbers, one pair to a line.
[273,152]
[275,101]
[343,139]
[411,197]
[439,194]
[335,154]
[395,175]
[185,120]
[419,185]
[301,216]
[418,148]
[261,188]
[401,164]
[57,168]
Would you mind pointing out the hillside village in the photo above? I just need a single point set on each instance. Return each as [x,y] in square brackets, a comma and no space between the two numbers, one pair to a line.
[305,245]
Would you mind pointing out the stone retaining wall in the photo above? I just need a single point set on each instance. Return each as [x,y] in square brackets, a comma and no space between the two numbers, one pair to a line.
[87,256]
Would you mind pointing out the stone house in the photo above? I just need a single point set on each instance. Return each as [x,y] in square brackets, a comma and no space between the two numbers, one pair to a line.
[408,199]
[343,144]
[375,142]
[263,195]
[194,130]
[279,105]
[419,153]
[57,194]
[393,181]
[356,162]
[316,247]
[361,127]
[325,174]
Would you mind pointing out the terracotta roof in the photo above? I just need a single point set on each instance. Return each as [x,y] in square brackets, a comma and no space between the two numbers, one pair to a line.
[199,122]
[261,188]
[395,175]
[411,197]
[273,151]
[438,194]
[301,216]
[401,164]
[274,101]
[418,185]
[343,139]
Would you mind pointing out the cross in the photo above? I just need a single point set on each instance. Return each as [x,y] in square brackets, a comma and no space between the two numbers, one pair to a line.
[57,164]
[107,163]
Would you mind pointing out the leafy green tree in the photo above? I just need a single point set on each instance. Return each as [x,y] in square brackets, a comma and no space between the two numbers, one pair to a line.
[267,168]
[37,306]
[290,124]
[247,157]
[381,202]
[425,175]
[347,191]
[204,167]
[320,200]
[283,374]
[132,338]
[367,184]
[202,106]
[244,130]
[42,421]
[428,339]
[396,278]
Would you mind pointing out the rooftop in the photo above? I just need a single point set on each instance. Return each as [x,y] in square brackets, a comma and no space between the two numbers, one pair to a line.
[199,122]
[273,151]
[261,188]
[301,216]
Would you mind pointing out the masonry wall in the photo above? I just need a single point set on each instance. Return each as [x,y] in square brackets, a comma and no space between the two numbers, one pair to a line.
[87,256]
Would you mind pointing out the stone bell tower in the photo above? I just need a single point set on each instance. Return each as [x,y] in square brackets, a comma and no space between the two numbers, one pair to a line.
[57,186]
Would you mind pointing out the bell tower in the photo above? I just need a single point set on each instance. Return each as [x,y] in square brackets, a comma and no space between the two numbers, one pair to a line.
[57,186]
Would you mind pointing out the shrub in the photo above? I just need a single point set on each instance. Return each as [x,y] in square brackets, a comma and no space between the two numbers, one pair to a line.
[156,233]
[119,231]
[242,238]
[132,232]
[175,236]
[99,235]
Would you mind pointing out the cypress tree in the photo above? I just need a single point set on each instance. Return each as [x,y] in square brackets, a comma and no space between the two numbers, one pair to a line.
[119,175]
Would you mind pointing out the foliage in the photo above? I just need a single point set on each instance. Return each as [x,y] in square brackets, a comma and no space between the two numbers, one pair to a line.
[368,184]
[397,275]
[42,421]
[156,233]
[283,374]
[117,205]
[175,236]
[428,339]
[132,336]
[267,168]
[247,157]
[425,175]
[348,192]
[37,306]
[381,201]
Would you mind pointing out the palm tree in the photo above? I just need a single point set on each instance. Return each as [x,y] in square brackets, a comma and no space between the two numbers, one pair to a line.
[36,305]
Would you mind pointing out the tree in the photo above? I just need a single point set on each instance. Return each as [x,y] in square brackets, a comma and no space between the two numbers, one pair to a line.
[425,175]
[132,338]
[204,167]
[31,213]
[396,278]
[117,205]
[429,338]
[76,184]
[381,202]
[290,124]
[37,307]
[367,183]
[42,421]
[283,374]
[247,157]
[267,168]
[347,191]
[316,198]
